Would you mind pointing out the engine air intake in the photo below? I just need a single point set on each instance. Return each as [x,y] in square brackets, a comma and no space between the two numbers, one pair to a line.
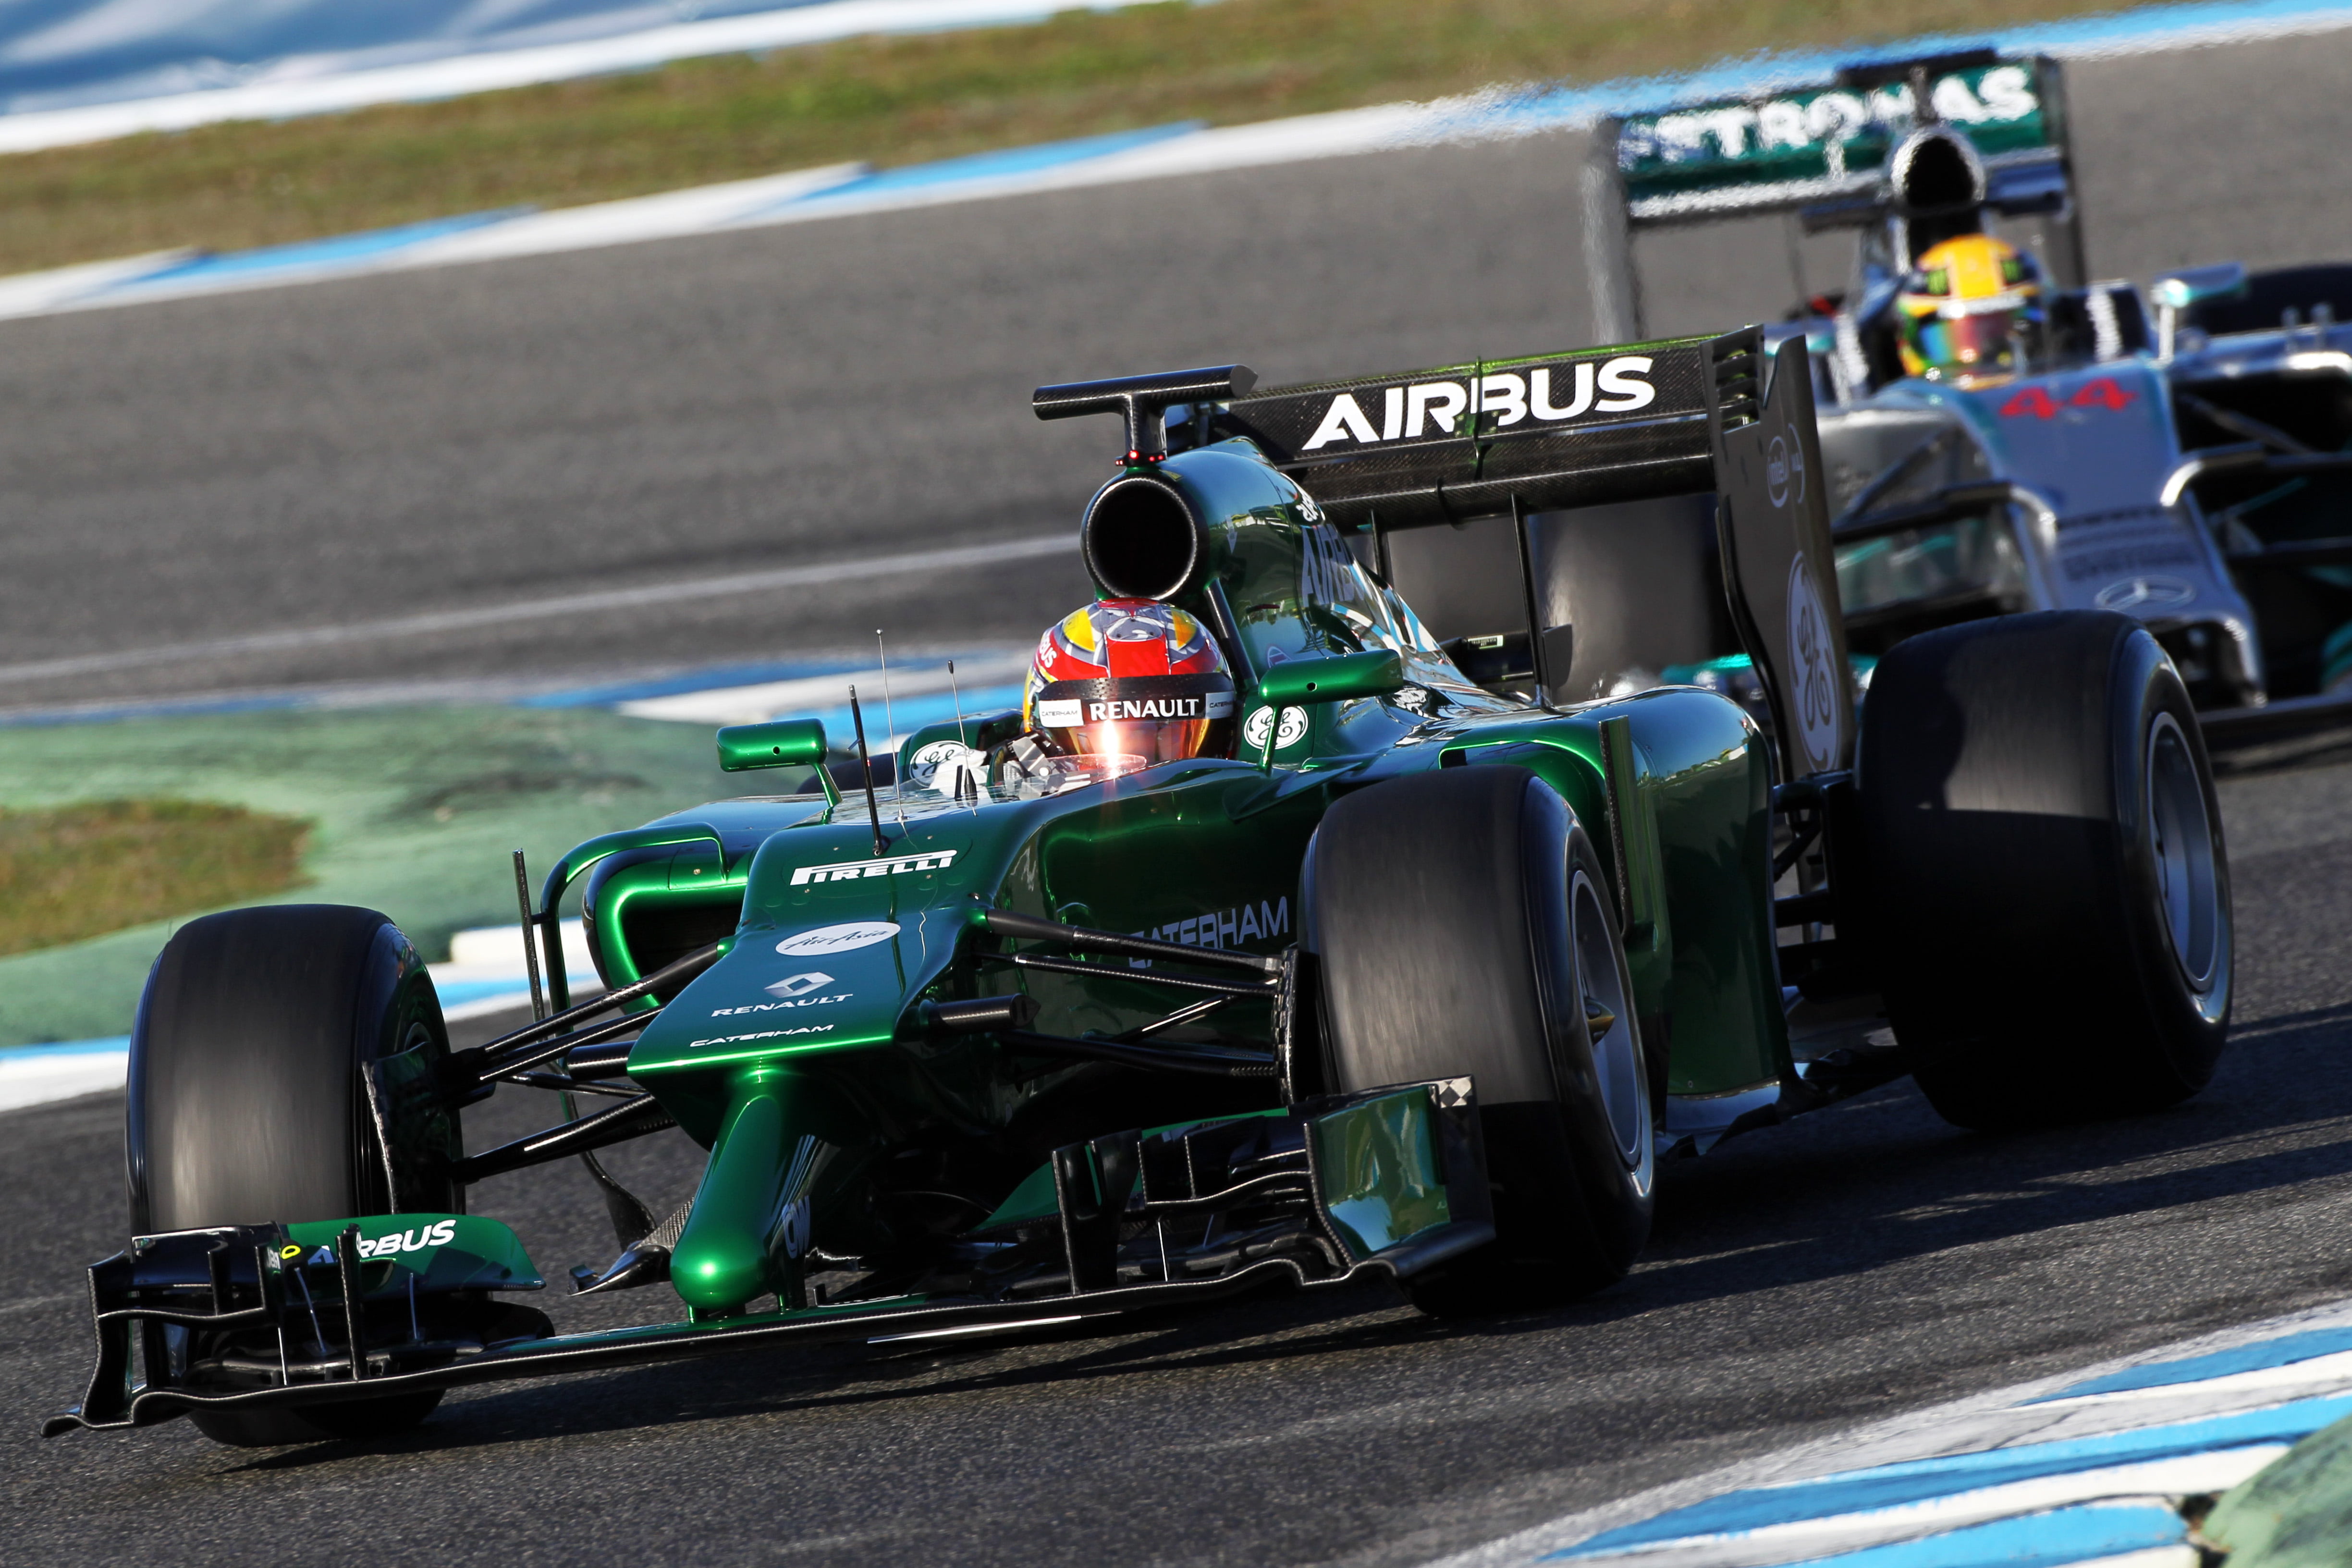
[1142,540]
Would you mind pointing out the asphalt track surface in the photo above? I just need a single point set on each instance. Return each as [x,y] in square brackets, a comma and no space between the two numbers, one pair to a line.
[350,451]
[468,438]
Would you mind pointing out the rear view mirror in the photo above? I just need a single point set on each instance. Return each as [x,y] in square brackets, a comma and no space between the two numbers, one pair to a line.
[777,743]
[1337,679]
[2176,291]
[2194,286]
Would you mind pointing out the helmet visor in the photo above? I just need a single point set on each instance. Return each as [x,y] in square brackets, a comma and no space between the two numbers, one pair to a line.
[1154,719]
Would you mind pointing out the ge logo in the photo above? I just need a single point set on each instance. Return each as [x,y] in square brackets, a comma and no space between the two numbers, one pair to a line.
[1293,727]
[1784,469]
[1814,687]
[924,762]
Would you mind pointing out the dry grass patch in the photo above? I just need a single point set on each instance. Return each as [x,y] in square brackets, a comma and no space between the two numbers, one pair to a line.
[83,870]
[890,99]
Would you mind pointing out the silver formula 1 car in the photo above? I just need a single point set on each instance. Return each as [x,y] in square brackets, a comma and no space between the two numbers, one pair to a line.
[2181,453]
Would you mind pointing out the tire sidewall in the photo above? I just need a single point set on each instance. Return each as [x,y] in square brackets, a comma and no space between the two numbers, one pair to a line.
[2189,1026]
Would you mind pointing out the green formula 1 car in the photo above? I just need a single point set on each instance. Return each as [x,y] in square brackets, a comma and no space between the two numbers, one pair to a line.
[1421,985]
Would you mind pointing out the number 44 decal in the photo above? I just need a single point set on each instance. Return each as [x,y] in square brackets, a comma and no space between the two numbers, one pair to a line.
[2101,392]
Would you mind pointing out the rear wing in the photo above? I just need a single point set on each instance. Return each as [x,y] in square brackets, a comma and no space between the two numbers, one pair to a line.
[1824,153]
[1511,437]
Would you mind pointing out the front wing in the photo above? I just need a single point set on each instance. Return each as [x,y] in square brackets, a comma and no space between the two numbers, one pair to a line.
[1389,1181]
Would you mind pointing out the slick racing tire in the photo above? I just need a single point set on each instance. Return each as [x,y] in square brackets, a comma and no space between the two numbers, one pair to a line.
[1462,930]
[249,1102]
[2050,892]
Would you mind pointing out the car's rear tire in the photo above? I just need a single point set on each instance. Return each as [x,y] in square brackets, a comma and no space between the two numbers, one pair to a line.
[250,1101]
[1461,930]
[2049,894]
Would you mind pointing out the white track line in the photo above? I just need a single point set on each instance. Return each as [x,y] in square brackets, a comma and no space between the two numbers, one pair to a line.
[786,577]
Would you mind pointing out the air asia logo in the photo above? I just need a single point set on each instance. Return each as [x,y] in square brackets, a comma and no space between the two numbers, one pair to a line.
[440,1233]
[763,1035]
[1293,727]
[1811,672]
[1437,407]
[836,939]
[1068,712]
[851,870]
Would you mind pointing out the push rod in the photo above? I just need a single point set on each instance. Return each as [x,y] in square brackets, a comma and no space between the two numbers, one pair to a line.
[630,1118]
[1207,1061]
[684,969]
[1005,922]
[1148,976]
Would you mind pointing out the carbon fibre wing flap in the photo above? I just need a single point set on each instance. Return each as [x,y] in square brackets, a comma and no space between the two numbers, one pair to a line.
[1545,433]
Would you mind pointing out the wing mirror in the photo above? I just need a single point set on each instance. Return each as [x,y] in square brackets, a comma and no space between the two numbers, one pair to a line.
[2176,291]
[777,743]
[1339,678]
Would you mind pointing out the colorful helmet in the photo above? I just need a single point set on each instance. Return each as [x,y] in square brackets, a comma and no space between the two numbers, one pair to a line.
[1132,678]
[1968,310]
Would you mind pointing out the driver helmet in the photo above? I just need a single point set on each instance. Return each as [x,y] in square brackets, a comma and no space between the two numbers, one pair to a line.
[1130,682]
[1967,309]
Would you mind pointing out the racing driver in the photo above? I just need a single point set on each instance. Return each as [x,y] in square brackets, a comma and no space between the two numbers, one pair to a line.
[1119,685]
[1968,312]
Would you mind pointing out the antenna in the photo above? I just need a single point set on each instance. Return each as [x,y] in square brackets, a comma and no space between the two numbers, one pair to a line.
[529,939]
[888,717]
[865,767]
[957,693]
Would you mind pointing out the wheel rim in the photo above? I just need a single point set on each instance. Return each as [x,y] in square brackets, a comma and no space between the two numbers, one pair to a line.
[2180,843]
[1607,1012]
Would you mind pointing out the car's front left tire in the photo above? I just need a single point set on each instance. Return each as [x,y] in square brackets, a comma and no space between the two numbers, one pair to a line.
[1462,928]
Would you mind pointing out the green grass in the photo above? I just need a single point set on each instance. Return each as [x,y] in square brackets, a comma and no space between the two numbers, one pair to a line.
[889,100]
[415,812]
[81,870]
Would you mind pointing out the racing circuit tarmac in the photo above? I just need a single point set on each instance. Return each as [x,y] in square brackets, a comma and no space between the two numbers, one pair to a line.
[357,450]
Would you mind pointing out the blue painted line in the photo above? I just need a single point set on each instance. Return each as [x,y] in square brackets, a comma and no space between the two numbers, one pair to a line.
[2283,1352]
[1010,163]
[706,680]
[184,708]
[343,248]
[1890,1486]
[2050,1540]
[454,992]
[1534,110]
[109,1044]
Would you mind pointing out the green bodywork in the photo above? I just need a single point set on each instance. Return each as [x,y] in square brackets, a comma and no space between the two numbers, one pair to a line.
[801,1059]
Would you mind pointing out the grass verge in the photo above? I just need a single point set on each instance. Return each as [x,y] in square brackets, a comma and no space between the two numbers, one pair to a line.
[890,99]
[415,812]
[83,870]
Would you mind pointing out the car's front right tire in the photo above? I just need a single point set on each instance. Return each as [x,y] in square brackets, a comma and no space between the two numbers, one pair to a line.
[248,1103]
